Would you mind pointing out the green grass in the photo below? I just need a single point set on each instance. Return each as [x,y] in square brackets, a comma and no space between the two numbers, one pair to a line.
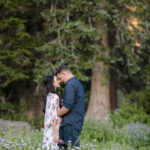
[128,128]
[102,135]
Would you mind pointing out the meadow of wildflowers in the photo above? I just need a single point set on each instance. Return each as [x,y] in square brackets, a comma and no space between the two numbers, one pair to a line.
[102,135]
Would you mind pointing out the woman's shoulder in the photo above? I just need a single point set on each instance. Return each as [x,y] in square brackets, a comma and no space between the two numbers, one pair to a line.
[53,96]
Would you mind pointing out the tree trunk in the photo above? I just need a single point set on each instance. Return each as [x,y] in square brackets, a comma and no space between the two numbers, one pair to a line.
[113,89]
[38,106]
[99,103]
[34,102]
[113,34]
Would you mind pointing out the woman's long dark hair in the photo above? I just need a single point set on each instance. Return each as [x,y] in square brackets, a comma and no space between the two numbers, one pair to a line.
[48,87]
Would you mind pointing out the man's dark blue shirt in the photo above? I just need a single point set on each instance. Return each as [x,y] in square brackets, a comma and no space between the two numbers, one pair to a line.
[74,100]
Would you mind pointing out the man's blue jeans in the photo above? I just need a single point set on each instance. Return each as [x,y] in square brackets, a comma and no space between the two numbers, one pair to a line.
[69,133]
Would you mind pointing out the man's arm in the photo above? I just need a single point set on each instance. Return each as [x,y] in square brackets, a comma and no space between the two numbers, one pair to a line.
[68,100]
[62,111]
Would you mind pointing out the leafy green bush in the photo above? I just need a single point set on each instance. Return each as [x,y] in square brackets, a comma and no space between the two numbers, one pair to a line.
[10,111]
[37,123]
[145,99]
[129,112]
[142,98]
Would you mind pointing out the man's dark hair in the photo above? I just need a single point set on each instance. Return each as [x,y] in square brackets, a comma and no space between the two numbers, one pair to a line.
[62,68]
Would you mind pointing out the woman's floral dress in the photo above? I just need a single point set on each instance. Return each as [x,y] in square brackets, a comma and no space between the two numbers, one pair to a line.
[52,107]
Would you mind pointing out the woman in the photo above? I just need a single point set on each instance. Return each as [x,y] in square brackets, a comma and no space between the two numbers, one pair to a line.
[51,120]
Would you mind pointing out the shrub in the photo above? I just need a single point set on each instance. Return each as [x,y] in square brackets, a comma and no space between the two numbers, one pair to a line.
[129,112]
[145,99]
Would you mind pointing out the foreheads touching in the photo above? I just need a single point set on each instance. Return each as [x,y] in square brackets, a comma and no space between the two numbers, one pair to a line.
[63,73]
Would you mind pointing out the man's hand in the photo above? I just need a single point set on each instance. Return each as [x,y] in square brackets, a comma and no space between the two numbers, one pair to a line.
[62,111]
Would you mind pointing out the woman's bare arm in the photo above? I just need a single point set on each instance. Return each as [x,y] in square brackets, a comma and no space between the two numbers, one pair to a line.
[55,131]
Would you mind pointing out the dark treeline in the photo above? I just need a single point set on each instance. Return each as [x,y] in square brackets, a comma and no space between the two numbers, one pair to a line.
[105,43]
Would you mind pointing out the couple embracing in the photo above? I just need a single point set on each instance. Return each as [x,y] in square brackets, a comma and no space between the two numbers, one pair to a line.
[63,122]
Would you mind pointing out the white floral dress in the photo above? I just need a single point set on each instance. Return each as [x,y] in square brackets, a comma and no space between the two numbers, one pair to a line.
[52,107]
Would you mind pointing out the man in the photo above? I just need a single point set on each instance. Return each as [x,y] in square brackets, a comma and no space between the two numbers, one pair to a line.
[73,109]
